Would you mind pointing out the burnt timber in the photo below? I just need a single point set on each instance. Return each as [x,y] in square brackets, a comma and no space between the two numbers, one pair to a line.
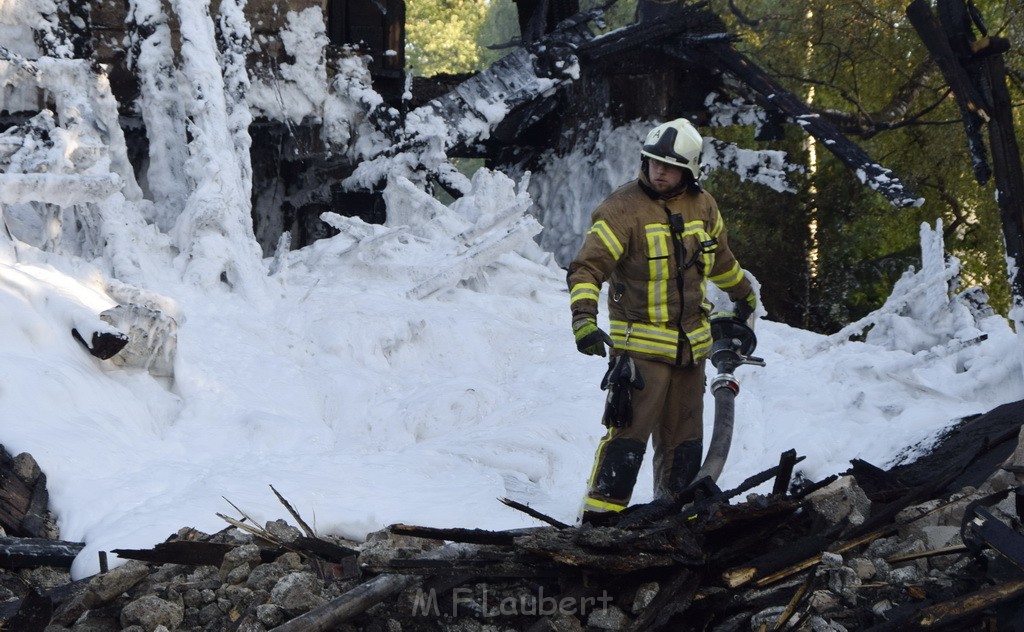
[974,68]
[767,563]
[703,52]
[708,560]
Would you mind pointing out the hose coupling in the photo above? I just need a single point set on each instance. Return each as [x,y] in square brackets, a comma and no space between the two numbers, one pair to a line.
[725,380]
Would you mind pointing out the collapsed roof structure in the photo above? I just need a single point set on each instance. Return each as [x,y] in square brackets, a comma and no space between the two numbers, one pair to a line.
[541,96]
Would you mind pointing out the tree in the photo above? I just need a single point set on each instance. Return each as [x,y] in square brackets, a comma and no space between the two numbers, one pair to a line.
[441,35]
[862,65]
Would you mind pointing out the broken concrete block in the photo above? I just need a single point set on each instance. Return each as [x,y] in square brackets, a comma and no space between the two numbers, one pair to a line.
[842,500]
[941,536]
[864,569]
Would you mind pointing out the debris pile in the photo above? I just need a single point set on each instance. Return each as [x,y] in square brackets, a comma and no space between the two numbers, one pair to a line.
[936,545]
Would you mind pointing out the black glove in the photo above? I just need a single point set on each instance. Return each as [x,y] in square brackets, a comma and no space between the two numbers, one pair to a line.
[590,339]
[620,380]
[744,307]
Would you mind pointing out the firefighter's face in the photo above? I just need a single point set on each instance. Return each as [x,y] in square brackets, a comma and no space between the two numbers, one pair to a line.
[663,176]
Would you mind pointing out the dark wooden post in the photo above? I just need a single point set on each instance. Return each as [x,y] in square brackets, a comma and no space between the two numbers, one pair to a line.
[1009,177]
[976,73]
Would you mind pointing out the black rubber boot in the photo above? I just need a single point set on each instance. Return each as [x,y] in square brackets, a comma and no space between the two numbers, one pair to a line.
[685,465]
[617,471]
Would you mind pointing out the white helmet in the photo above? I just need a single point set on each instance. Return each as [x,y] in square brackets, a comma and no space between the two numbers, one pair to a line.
[677,143]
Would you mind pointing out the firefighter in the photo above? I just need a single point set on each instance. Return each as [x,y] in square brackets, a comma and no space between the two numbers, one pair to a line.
[655,242]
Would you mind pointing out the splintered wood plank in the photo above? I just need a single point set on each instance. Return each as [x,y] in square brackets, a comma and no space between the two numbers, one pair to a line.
[949,611]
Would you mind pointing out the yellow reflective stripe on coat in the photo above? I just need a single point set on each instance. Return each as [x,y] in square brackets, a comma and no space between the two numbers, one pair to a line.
[584,292]
[692,228]
[658,239]
[608,238]
[707,257]
[700,340]
[730,278]
[719,225]
[645,338]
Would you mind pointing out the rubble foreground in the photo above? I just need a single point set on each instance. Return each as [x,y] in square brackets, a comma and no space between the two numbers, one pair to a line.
[932,545]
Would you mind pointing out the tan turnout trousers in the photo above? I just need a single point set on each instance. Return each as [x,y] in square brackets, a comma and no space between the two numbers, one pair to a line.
[670,411]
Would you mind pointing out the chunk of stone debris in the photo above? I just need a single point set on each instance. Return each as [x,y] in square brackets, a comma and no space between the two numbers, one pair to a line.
[841,500]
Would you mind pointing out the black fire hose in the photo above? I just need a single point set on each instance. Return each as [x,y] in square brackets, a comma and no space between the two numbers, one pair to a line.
[733,343]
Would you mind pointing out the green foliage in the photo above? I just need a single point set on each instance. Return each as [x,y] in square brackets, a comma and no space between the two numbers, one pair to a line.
[440,35]
[500,28]
[863,65]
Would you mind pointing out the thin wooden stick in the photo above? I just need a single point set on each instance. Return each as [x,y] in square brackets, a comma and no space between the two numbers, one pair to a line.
[946,550]
[302,523]
[533,512]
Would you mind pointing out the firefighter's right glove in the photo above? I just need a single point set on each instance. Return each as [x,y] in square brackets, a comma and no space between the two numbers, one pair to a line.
[590,340]
[620,380]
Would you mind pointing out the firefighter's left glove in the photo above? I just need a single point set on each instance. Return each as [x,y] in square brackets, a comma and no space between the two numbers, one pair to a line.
[745,306]
[620,380]
[590,340]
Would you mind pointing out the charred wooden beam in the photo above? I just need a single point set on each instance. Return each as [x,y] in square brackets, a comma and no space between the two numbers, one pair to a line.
[469,536]
[727,516]
[602,549]
[772,96]
[975,71]
[685,24]
[800,554]
[322,549]
[35,552]
[1009,175]
[787,461]
[987,528]
[879,485]
[887,513]
[978,446]
[755,480]
[491,567]
[673,598]
[194,553]
[968,99]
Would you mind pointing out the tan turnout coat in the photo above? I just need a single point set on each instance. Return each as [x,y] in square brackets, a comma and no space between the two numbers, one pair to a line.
[632,247]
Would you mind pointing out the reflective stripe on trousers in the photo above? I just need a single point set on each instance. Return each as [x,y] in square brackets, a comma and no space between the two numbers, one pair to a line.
[669,411]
